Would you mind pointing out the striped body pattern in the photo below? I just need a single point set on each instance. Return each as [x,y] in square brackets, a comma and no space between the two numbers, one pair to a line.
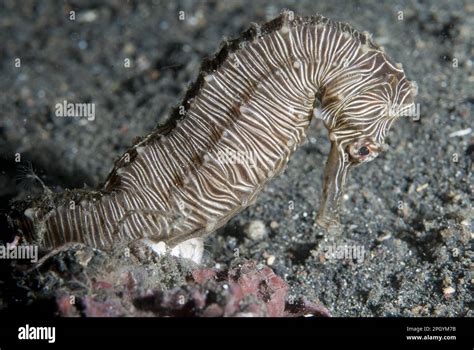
[235,130]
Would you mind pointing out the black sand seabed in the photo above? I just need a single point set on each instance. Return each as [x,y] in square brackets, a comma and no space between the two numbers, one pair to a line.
[417,259]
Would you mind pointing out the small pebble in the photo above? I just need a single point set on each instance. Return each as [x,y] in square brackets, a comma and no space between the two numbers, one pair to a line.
[87,17]
[384,237]
[421,187]
[256,230]
[271,260]
[448,291]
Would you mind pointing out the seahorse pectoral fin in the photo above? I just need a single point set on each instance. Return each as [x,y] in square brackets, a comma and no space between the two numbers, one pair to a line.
[334,180]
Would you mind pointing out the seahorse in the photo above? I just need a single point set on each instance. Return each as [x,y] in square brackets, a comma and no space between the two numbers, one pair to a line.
[257,97]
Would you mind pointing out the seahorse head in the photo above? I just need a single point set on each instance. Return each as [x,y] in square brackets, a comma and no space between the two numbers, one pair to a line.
[358,120]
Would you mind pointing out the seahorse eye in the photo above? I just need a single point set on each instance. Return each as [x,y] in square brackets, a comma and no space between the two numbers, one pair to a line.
[363,151]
